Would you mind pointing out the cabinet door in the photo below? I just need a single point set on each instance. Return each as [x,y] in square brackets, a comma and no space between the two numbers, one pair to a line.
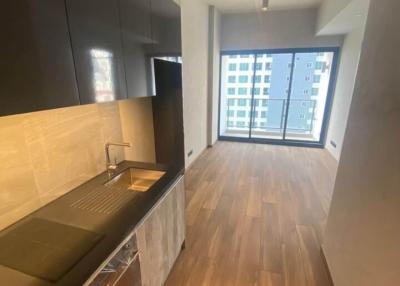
[166,28]
[97,46]
[136,19]
[37,68]
[161,236]
[136,35]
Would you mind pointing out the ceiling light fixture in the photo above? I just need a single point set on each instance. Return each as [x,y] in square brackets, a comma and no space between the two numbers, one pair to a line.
[265,5]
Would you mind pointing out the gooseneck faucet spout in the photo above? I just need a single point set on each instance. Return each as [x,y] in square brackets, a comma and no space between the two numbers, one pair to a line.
[109,165]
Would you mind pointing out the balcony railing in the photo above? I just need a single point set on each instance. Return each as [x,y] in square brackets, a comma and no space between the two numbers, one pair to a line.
[270,114]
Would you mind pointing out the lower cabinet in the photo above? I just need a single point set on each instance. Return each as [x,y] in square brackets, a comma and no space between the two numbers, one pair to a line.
[147,255]
[161,236]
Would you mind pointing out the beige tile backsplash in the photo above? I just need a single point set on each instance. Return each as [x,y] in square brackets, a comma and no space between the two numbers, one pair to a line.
[137,128]
[43,155]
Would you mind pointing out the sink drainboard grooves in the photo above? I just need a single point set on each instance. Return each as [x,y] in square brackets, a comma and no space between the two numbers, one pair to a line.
[103,200]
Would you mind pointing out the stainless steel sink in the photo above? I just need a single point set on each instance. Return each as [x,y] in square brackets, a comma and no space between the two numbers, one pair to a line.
[134,179]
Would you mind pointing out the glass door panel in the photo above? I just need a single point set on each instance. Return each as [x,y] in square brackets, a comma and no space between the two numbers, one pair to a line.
[309,91]
[271,87]
[237,71]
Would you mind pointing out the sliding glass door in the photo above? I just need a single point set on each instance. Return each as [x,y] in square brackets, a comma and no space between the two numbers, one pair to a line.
[271,90]
[308,97]
[237,85]
[276,96]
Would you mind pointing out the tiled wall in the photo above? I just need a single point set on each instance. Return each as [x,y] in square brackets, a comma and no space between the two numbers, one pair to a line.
[45,154]
[137,128]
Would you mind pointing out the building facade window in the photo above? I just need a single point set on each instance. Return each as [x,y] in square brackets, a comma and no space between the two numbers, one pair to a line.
[256,91]
[231,91]
[231,79]
[257,66]
[241,113]
[231,102]
[232,67]
[266,91]
[242,91]
[257,79]
[243,79]
[242,102]
[244,67]
[267,79]
[319,65]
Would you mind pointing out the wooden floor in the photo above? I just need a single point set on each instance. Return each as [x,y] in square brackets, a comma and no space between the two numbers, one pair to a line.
[255,216]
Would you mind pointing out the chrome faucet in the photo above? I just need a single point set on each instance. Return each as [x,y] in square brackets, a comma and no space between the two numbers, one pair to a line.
[112,166]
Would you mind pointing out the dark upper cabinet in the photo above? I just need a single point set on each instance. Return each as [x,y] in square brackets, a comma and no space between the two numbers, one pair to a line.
[136,35]
[166,28]
[136,20]
[58,53]
[150,28]
[37,68]
[96,36]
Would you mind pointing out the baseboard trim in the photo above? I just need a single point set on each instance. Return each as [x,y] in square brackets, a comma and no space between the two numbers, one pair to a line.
[327,266]
[195,159]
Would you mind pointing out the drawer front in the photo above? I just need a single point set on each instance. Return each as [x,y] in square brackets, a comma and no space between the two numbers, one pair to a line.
[121,265]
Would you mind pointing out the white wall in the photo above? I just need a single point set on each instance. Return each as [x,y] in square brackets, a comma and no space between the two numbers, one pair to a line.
[194,17]
[213,73]
[328,10]
[362,237]
[275,29]
[350,55]
[351,17]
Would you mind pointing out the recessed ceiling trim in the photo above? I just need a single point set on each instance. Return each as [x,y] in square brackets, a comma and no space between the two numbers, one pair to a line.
[243,6]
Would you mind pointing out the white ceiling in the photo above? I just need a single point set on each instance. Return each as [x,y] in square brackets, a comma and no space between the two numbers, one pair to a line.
[240,6]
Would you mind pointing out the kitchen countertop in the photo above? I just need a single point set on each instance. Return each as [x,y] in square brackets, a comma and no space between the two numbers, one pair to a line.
[114,227]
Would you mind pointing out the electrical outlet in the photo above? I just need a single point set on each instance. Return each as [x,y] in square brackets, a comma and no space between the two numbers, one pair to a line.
[333,143]
[190,153]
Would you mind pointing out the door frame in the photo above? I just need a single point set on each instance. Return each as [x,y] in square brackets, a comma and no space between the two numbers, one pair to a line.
[328,104]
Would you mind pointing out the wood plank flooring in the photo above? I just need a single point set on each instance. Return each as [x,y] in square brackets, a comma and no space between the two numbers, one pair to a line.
[255,216]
